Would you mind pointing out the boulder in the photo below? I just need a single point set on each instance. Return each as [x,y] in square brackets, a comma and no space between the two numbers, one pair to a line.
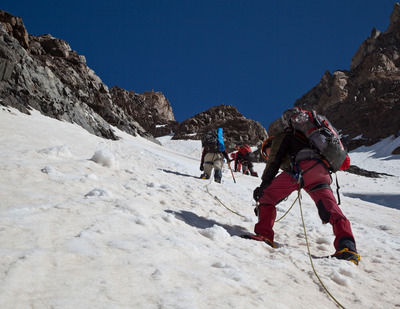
[237,129]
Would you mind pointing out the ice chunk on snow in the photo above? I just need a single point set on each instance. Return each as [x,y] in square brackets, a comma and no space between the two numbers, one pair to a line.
[104,158]
[215,232]
[98,192]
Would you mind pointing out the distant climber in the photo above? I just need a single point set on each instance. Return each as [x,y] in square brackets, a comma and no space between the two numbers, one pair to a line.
[213,154]
[243,160]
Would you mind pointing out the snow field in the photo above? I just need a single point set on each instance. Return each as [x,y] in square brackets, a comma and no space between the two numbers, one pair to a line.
[91,223]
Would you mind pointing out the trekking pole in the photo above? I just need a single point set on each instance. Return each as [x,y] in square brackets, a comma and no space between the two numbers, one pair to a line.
[229,164]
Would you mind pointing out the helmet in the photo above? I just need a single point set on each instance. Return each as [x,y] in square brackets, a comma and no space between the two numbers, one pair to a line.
[288,115]
[266,144]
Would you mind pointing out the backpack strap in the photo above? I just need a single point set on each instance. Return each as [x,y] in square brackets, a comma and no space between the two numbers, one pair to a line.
[301,137]
[320,186]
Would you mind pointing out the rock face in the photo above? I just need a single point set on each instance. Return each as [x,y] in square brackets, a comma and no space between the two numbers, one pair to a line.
[364,103]
[237,129]
[151,109]
[44,73]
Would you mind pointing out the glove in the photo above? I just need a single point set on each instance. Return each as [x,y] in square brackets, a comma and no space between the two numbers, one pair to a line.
[201,167]
[259,191]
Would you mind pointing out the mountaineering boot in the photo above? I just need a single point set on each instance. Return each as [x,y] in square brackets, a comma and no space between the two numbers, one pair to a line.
[259,238]
[204,176]
[217,180]
[347,255]
[255,174]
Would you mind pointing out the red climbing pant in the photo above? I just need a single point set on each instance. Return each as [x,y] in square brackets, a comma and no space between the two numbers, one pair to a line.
[315,175]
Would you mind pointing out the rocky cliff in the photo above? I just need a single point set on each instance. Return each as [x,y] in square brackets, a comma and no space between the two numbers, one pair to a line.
[364,102]
[44,73]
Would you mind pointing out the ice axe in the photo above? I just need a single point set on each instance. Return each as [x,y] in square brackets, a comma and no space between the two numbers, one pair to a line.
[229,164]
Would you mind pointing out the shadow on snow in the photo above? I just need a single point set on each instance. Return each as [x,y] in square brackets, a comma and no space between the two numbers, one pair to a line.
[203,223]
[388,200]
[179,174]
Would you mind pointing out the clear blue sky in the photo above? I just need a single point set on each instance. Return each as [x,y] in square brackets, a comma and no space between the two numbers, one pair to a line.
[257,55]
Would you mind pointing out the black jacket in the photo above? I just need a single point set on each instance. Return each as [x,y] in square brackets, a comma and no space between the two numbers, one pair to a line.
[284,149]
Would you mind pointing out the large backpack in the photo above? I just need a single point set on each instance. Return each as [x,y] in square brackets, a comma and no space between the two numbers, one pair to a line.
[322,137]
[247,153]
[245,149]
[210,141]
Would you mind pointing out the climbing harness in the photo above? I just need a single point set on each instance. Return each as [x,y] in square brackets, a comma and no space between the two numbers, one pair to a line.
[297,173]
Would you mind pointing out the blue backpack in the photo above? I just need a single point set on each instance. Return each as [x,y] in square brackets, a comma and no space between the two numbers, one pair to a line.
[212,141]
[220,140]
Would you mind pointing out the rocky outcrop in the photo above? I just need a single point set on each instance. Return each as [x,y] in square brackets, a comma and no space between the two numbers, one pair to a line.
[364,103]
[396,151]
[152,110]
[237,129]
[359,171]
[15,27]
[44,73]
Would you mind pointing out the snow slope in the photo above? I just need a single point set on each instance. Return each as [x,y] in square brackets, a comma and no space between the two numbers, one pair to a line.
[92,223]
